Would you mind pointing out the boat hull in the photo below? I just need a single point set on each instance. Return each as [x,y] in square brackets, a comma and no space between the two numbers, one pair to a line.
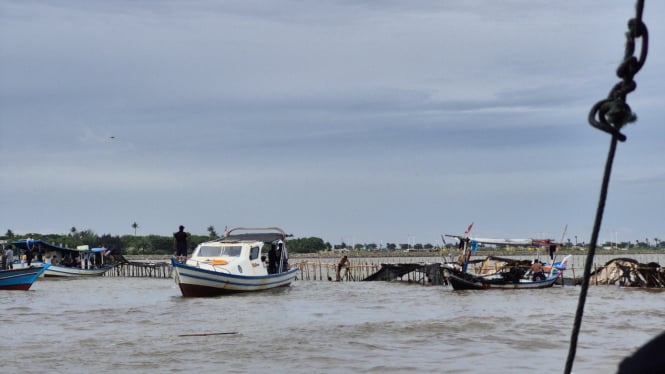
[463,281]
[20,279]
[196,282]
[65,271]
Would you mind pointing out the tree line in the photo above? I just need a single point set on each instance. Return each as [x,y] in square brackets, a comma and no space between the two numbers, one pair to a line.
[147,244]
[163,245]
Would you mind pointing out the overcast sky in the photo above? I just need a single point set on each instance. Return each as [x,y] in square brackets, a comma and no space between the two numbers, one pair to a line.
[354,121]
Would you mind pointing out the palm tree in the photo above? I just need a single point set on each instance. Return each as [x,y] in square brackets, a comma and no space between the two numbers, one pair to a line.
[9,234]
[135,226]
[212,232]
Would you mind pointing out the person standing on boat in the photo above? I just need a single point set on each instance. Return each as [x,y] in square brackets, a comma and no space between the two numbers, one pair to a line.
[10,257]
[282,257]
[272,260]
[27,252]
[537,270]
[28,256]
[180,243]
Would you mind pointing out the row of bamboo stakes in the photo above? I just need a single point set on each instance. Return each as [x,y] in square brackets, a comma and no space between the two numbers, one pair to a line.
[141,270]
[308,270]
[317,270]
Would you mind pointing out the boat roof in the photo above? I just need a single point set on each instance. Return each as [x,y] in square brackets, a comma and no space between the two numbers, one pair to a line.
[23,244]
[506,241]
[265,238]
[258,234]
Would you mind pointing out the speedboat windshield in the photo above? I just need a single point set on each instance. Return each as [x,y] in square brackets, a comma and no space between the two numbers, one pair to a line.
[217,251]
[231,251]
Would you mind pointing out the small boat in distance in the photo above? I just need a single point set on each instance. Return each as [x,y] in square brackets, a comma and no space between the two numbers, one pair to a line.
[81,261]
[510,279]
[502,273]
[20,279]
[234,263]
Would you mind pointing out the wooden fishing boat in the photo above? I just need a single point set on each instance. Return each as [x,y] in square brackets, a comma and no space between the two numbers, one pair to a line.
[20,279]
[503,273]
[506,280]
[81,261]
[234,263]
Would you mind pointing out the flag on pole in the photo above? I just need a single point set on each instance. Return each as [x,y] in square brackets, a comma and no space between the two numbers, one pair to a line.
[468,229]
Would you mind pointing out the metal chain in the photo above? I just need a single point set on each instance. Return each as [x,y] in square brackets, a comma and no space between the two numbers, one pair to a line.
[610,115]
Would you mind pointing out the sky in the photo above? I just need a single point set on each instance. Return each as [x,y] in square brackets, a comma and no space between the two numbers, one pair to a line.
[352,121]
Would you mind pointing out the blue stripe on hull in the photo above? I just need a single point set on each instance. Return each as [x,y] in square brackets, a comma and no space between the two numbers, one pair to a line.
[19,279]
[198,282]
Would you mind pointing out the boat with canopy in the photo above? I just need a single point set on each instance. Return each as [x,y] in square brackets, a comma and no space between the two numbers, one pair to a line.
[502,273]
[81,261]
[234,263]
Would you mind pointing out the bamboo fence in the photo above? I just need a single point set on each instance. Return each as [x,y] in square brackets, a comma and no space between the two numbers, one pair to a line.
[141,270]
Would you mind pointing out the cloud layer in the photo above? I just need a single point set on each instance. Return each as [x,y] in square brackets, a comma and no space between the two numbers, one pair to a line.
[347,120]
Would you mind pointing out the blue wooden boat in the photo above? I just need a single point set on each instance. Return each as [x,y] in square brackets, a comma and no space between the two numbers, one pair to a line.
[91,261]
[20,279]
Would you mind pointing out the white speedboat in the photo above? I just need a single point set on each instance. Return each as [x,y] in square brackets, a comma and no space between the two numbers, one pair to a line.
[234,263]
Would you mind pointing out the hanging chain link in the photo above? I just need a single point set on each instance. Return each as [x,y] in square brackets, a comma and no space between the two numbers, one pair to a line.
[612,113]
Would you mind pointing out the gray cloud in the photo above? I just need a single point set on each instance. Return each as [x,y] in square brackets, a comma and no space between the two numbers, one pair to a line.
[375,120]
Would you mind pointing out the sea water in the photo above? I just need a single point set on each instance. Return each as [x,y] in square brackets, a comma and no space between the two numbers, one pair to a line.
[144,325]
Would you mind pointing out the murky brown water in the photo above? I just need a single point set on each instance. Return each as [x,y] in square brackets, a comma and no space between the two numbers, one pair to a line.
[133,325]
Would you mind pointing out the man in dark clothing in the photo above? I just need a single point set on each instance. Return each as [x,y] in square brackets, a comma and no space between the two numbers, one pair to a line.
[343,264]
[272,260]
[180,243]
[29,256]
[282,257]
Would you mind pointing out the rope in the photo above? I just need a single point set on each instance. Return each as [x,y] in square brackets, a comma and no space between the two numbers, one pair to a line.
[610,115]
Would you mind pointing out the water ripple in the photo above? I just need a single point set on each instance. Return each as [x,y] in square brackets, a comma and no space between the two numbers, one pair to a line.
[137,325]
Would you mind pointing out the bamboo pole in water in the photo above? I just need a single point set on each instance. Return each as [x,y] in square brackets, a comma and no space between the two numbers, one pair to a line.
[137,270]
